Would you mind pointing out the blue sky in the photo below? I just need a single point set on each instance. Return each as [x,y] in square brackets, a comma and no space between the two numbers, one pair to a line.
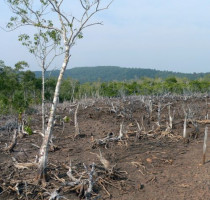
[162,34]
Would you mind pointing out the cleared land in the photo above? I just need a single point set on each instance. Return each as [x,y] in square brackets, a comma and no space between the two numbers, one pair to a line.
[152,163]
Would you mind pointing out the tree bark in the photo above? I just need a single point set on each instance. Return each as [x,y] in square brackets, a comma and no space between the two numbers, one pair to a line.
[205,144]
[43,155]
[43,98]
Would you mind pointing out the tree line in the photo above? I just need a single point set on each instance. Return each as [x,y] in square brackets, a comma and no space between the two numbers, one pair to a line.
[20,88]
[109,73]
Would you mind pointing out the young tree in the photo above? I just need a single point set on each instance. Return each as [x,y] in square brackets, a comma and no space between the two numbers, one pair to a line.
[42,14]
[44,47]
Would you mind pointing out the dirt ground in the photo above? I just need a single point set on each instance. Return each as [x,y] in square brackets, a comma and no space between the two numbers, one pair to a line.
[149,164]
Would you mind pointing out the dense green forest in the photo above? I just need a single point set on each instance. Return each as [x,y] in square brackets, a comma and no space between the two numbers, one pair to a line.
[20,88]
[111,73]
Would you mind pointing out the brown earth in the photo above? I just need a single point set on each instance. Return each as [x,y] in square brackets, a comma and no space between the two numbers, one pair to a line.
[156,164]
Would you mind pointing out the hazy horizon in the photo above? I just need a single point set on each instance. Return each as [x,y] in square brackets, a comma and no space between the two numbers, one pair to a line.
[162,35]
[123,67]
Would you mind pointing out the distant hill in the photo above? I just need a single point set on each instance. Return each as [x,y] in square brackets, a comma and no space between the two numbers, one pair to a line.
[111,73]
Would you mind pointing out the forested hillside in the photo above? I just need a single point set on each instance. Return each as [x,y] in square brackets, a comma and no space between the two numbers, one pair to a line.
[112,73]
[20,88]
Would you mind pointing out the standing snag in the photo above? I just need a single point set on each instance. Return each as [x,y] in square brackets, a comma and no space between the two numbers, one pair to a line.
[159,114]
[204,144]
[171,116]
[185,126]
[76,125]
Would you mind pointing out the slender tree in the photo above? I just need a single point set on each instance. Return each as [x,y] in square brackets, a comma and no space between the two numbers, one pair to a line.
[44,47]
[42,14]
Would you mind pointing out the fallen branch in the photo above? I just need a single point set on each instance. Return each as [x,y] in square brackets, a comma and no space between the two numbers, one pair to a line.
[104,162]
[206,121]
[55,195]
[23,165]
[39,132]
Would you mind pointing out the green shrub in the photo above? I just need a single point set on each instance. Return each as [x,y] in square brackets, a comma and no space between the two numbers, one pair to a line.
[28,130]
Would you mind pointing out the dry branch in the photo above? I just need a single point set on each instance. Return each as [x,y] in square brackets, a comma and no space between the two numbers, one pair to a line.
[55,195]
[104,162]
[82,185]
[207,121]
[23,165]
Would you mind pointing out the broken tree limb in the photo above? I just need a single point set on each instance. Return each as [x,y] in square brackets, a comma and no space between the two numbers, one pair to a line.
[70,175]
[55,194]
[206,121]
[39,132]
[105,162]
[23,165]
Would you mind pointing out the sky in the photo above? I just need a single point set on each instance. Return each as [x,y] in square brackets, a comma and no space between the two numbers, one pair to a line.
[169,35]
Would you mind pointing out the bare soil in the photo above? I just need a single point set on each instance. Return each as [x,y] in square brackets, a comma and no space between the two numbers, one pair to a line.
[156,163]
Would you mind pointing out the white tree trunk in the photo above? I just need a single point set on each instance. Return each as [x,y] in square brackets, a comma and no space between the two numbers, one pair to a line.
[205,144]
[43,99]
[43,155]
[185,127]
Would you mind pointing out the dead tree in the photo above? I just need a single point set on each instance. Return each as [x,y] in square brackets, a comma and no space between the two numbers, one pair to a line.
[138,133]
[43,15]
[148,105]
[76,125]
[88,192]
[185,126]
[84,185]
[171,116]
[159,114]
[207,109]
[192,118]
[205,144]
